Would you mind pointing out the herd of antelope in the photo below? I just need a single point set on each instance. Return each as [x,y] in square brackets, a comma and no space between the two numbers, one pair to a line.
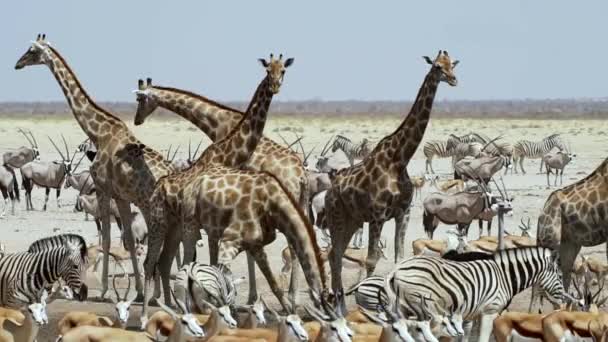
[435,295]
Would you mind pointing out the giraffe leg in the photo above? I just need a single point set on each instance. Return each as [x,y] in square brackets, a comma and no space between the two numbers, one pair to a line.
[124,208]
[155,243]
[293,282]
[191,235]
[103,200]
[261,259]
[338,245]
[401,223]
[373,248]
[253,286]
[567,254]
[170,248]
[213,240]
[46,198]
[99,231]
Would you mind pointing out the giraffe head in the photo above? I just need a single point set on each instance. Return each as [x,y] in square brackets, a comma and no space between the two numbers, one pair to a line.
[275,68]
[443,67]
[37,54]
[147,102]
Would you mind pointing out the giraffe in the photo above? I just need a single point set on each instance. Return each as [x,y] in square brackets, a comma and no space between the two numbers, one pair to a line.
[217,120]
[379,188]
[575,216]
[123,169]
[204,196]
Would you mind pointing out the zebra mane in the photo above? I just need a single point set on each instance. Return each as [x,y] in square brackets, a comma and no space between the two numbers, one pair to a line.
[552,136]
[341,137]
[58,241]
[468,256]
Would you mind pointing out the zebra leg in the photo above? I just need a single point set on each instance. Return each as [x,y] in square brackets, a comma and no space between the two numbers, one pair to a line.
[124,208]
[467,326]
[57,194]
[521,164]
[541,166]
[485,329]
[401,223]
[46,197]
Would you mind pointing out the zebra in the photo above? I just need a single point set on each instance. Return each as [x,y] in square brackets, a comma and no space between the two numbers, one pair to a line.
[535,150]
[478,285]
[370,293]
[352,151]
[30,272]
[470,137]
[436,149]
[215,284]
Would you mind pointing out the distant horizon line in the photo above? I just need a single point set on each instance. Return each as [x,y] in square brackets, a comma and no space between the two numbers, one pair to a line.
[602,98]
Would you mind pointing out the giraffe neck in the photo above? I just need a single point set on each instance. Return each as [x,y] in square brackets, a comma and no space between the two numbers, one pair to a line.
[215,119]
[236,148]
[403,143]
[89,115]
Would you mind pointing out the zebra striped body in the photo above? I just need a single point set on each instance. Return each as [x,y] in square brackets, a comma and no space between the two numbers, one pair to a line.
[370,293]
[535,150]
[481,287]
[454,140]
[27,273]
[435,149]
[351,150]
[218,288]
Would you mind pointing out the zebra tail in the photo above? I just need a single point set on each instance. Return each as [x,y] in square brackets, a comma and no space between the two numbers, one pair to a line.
[352,289]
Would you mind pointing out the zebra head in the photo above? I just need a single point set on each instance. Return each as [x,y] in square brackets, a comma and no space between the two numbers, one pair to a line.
[443,67]
[551,280]
[73,267]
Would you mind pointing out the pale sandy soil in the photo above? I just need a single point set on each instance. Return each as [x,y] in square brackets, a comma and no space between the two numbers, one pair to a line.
[588,140]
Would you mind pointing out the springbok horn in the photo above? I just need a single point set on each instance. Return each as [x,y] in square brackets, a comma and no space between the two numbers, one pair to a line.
[189,149]
[128,286]
[115,289]
[56,148]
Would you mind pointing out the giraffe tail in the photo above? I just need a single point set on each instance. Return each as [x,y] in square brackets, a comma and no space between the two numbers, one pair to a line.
[293,223]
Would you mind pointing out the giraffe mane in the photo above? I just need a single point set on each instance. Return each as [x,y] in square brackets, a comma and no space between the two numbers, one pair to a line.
[82,89]
[200,97]
[309,228]
[599,169]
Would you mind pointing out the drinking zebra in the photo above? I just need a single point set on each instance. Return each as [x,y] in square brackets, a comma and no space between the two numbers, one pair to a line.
[370,293]
[352,151]
[215,284]
[483,285]
[30,272]
[470,137]
[535,150]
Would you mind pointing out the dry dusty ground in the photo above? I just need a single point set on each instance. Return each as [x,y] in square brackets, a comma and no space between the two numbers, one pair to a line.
[588,140]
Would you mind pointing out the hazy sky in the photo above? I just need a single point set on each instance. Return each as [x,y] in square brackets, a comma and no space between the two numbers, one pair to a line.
[366,50]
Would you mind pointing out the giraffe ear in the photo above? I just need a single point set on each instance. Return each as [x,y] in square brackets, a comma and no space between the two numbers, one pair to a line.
[288,62]
[263,62]
[455,63]
[428,59]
